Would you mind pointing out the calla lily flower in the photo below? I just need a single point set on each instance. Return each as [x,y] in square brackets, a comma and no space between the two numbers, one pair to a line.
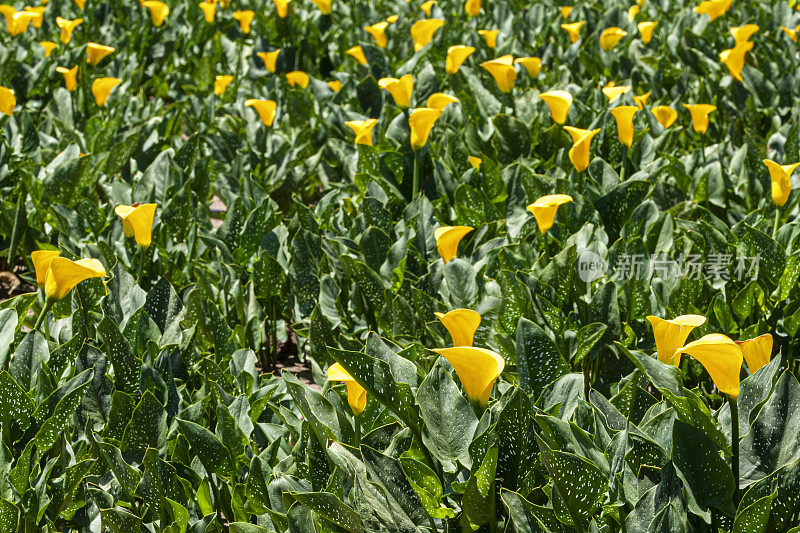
[7,101]
[544,210]
[264,108]
[447,239]
[646,30]
[558,102]
[357,53]
[477,369]
[220,83]
[781,178]
[363,130]
[421,122]
[325,6]
[67,27]
[613,92]
[475,162]
[581,142]
[721,357]
[700,114]
[713,8]
[610,37]
[282,7]
[742,34]
[532,65]
[70,77]
[245,18]
[422,32]
[461,324]
[378,32]
[270,59]
[665,115]
[670,335]
[391,19]
[158,11]
[48,46]
[297,78]
[489,36]
[335,86]
[63,274]
[573,29]
[41,264]
[640,101]
[426,7]
[456,56]
[80,4]
[137,222]
[623,115]
[632,12]
[96,52]
[356,394]
[503,72]
[757,352]
[733,58]
[473,7]
[101,89]
[38,19]
[16,21]
[565,11]
[791,32]
[209,10]
[399,89]
[440,101]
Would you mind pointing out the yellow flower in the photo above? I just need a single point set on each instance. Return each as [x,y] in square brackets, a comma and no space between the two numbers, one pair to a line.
[646,30]
[791,32]
[63,274]
[41,264]
[209,10]
[632,12]
[558,102]
[613,92]
[544,210]
[640,101]
[700,114]
[378,32]
[581,142]
[137,222]
[422,32]
[610,37]
[670,335]
[270,59]
[456,56]
[421,122]
[781,178]
[391,19]
[67,27]
[7,101]
[245,18]
[80,3]
[38,18]
[363,130]
[665,115]
[757,352]
[461,324]
[713,8]
[297,78]
[624,116]
[264,108]
[733,58]
[399,89]
[357,53]
[473,7]
[101,88]
[324,6]
[48,46]
[489,36]
[440,101]
[565,11]
[475,162]
[335,85]
[532,65]
[426,7]
[573,29]
[721,357]
[96,52]
[282,6]
[503,72]
[220,83]
[477,369]
[447,239]
[741,34]
[356,394]
[158,11]
[70,77]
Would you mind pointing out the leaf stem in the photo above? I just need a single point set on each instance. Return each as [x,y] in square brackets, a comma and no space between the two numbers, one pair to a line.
[48,303]
[17,231]
[415,178]
[777,221]
[357,424]
[734,403]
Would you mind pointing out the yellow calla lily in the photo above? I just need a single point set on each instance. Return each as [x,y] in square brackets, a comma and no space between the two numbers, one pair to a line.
[742,34]
[426,7]
[559,103]
[67,27]
[391,19]
[489,37]
[721,357]
[581,142]
[713,8]
[421,122]
[646,30]
[362,129]
[335,86]
[264,108]
[270,59]
[38,13]
[456,56]
[297,78]
[623,115]
[48,46]
[16,21]
[472,7]
[671,335]
[400,89]
[632,12]
[757,352]
[356,394]
[610,37]
[640,101]
[41,264]
[101,89]
[613,92]
[733,58]
[422,32]
[665,115]
[221,83]
[544,210]
[573,29]
[245,18]
[503,72]
[700,114]
[791,32]
[477,369]
[137,222]
[7,101]
[378,32]
[96,52]
[565,11]
[209,10]
[357,53]
[461,324]
[70,77]
[80,4]
[158,11]
[440,101]
[63,274]
[282,7]
[325,6]
[447,239]
[781,178]
[532,65]
[475,161]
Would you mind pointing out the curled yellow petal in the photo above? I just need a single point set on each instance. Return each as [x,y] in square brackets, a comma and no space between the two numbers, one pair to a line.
[565,11]
[757,352]
[581,143]
[101,89]
[610,37]
[613,92]
[282,7]
[573,29]
[421,122]
[503,72]
[440,101]
[7,101]
[646,30]
[96,52]
[544,210]
[64,274]
[741,34]
[325,6]
[137,221]
[489,37]
[733,58]
[264,108]
[209,10]
[721,357]
[461,324]
[48,46]
[532,65]
[780,177]
[427,6]
[70,77]
[38,15]
[362,129]
[472,7]
[791,32]
[477,369]
[623,115]
[158,11]
[475,162]
[41,264]
[270,59]
[713,8]
[456,56]
[378,32]
[559,103]
[671,335]
[447,239]
[335,85]
[67,27]
[665,115]
[357,53]
[297,78]
[641,100]
[221,83]
[700,114]
[244,18]
[356,394]
[400,89]
[422,32]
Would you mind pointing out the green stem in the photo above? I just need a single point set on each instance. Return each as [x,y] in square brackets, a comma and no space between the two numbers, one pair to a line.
[140,275]
[734,403]
[623,164]
[357,424]
[47,305]
[415,179]
[777,221]
[19,216]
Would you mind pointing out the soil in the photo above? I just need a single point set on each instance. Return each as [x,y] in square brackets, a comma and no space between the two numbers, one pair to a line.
[10,282]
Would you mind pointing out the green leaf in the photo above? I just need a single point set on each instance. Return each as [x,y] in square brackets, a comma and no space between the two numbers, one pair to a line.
[539,362]
[127,367]
[331,508]
[207,447]
[478,502]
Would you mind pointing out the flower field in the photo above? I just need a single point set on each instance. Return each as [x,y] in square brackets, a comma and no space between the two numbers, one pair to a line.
[535,265]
